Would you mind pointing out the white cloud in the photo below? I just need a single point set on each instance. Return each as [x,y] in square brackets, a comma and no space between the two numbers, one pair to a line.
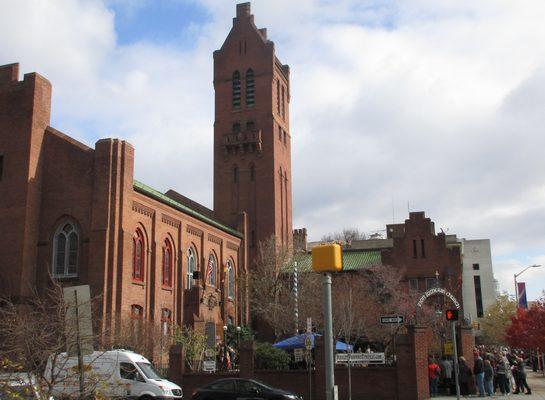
[435,103]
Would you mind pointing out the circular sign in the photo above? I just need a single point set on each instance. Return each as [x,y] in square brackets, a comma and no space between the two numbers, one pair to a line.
[308,342]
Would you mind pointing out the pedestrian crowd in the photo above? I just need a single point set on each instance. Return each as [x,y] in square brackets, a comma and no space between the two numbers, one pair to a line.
[494,371]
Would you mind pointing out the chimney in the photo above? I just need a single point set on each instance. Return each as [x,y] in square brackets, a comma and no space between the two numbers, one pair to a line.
[243,10]
[300,240]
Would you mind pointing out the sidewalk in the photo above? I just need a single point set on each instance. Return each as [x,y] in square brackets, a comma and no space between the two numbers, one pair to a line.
[535,381]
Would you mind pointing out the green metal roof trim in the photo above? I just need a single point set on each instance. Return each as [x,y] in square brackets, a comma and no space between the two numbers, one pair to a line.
[353,260]
[155,194]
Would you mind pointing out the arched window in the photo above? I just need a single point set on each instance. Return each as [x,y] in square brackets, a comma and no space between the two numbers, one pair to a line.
[250,88]
[211,270]
[252,172]
[235,174]
[65,251]
[166,321]
[138,256]
[236,89]
[230,280]
[191,267]
[167,263]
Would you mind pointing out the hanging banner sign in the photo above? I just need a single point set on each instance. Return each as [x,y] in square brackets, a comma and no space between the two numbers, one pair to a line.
[523,301]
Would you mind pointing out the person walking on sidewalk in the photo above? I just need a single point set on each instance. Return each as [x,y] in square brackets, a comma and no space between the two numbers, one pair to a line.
[488,378]
[521,384]
[433,373]
[478,371]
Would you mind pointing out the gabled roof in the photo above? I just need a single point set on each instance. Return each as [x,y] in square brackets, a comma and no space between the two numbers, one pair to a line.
[155,194]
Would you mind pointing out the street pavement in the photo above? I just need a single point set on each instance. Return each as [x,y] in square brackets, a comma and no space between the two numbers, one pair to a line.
[535,381]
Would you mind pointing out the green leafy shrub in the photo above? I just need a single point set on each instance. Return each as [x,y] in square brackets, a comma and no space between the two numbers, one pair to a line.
[269,357]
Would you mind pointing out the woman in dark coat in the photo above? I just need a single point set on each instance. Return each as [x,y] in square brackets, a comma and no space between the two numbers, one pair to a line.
[465,376]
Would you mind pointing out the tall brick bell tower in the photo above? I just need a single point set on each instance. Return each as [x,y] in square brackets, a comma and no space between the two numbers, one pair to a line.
[252,156]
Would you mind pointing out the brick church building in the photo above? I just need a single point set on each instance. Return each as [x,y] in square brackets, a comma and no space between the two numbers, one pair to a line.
[77,214]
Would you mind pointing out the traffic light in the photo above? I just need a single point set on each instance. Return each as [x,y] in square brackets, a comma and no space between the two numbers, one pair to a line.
[452,315]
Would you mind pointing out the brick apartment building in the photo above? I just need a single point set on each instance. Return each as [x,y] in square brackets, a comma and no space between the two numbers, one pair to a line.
[76,213]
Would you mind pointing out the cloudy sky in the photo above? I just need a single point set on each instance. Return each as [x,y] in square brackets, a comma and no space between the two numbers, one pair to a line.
[423,105]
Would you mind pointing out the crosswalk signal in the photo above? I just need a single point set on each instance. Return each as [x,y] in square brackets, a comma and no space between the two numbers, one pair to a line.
[452,315]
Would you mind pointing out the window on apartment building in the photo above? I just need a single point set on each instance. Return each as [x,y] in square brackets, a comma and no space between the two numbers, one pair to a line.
[252,239]
[65,251]
[138,256]
[236,89]
[476,267]
[413,285]
[167,263]
[250,88]
[478,296]
[250,126]
[1,166]
[423,248]
[166,321]
[230,280]
[191,267]
[236,127]
[415,255]
[431,283]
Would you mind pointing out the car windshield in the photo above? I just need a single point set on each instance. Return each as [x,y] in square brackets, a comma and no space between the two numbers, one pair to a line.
[148,370]
[260,383]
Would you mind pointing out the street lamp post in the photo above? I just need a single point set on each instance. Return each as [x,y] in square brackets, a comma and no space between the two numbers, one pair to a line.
[238,344]
[225,345]
[519,274]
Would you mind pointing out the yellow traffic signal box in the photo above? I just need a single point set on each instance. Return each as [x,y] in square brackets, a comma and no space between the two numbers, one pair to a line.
[327,258]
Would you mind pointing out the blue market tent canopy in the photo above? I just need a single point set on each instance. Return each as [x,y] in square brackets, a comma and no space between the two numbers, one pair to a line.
[298,342]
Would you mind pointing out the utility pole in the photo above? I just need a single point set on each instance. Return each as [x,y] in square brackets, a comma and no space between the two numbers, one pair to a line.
[328,337]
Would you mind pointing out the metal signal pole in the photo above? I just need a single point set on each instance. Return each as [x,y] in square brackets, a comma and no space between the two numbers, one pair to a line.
[455,351]
[328,338]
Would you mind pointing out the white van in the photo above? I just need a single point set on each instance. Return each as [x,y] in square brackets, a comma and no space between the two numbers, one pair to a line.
[114,373]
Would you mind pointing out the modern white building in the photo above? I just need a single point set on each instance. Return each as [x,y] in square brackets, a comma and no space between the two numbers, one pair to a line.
[479,288]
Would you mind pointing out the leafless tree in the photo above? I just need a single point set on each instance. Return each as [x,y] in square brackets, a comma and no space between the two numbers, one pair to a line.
[34,330]
[347,236]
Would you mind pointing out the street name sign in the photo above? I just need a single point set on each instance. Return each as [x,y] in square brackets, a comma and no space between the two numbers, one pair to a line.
[395,319]
[360,358]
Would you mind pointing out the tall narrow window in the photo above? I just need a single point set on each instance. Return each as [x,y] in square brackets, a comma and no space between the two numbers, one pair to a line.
[230,280]
[250,126]
[138,256]
[166,321]
[1,166]
[478,295]
[236,127]
[413,285]
[414,249]
[236,89]
[65,251]
[235,174]
[191,267]
[250,88]
[167,263]
[423,248]
[279,133]
[252,172]
[283,104]
[278,96]
[252,239]
[211,270]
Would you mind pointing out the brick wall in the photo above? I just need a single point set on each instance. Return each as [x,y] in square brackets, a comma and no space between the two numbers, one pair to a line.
[407,380]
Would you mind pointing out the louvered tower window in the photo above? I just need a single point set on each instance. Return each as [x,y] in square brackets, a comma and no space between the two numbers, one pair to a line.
[236,89]
[250,88]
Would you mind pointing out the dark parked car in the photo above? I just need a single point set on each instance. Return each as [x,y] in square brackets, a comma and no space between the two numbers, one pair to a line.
[247,389]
